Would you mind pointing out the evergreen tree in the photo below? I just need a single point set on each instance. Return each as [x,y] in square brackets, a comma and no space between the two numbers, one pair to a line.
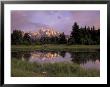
[74,36]
[62,38]
[27,38]
[16,37]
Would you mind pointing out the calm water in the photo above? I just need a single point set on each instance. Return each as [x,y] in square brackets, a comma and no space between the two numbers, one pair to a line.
[86,60]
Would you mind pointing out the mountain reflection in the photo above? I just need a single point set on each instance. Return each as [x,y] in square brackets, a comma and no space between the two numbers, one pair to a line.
[49,56]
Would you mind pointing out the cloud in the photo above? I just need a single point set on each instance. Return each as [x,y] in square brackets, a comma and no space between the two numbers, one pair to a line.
[60,20]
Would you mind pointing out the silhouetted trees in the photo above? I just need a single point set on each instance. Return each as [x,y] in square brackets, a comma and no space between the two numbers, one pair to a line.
[86,35]
[62,38]
[79,35]
[16,37]
[27,39]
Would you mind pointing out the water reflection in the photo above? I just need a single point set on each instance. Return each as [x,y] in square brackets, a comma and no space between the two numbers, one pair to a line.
[85,59]
[82,57]
[48,55]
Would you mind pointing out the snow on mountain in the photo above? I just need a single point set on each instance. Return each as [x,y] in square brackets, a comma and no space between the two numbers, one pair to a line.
[44,32]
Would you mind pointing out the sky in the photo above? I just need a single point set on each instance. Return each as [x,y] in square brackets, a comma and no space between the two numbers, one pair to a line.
[59,20]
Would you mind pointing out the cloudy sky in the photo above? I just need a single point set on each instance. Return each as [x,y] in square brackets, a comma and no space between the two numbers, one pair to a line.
[62,21]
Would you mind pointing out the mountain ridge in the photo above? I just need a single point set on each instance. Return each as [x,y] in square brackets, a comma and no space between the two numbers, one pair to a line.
[44,32]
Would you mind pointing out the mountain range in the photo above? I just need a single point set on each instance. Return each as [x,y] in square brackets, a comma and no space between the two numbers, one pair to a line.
[44,32]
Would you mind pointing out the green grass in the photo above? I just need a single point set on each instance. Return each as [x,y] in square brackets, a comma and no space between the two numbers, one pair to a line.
[26,69]
[49,47]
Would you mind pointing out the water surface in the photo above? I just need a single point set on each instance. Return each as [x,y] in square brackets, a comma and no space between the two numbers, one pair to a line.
[87,60]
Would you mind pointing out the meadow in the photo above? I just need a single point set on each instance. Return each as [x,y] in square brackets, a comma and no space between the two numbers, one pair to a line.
[26,69]
[21,68]
[50,47]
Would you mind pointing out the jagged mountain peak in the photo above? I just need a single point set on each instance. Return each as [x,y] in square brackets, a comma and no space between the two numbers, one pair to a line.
[44,32]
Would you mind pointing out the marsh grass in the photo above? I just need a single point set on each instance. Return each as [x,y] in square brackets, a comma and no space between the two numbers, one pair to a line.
[49,47]
[26,69]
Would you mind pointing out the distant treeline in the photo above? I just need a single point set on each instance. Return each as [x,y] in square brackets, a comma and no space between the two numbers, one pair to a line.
[84,35]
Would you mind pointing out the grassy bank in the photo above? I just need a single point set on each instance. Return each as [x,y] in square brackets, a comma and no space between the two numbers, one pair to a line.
[26,69]
[77,48]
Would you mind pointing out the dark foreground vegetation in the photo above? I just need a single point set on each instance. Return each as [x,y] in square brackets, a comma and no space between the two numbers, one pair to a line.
[25,69]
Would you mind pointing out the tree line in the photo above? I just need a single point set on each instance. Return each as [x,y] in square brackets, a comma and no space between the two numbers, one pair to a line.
[84,35]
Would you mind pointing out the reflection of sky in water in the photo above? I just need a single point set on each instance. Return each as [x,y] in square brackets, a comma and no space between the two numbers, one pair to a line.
[87,60]
[91,65]
[49,57]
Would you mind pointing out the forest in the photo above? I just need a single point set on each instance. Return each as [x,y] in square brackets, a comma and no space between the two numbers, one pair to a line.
[79,35]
